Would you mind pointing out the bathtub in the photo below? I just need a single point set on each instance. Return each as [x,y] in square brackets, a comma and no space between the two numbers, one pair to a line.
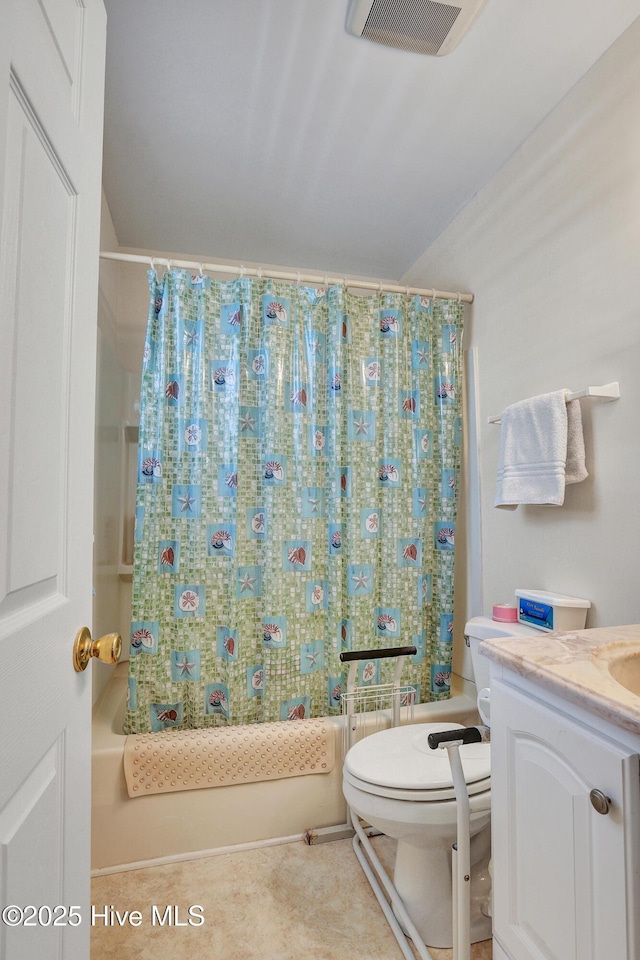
[129,833]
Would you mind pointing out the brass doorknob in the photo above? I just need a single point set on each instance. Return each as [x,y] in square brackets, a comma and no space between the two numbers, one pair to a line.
[107,649]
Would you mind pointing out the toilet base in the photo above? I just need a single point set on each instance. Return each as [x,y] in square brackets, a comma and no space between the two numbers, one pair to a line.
[422,878]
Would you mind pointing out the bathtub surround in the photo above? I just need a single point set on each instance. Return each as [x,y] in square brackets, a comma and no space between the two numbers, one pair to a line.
[111,380]
[297,496]
[117,395]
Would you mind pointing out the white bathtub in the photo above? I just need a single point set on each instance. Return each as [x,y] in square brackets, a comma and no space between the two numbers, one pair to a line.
[193,823]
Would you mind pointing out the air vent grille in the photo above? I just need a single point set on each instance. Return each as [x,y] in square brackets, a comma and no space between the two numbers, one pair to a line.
[411,24]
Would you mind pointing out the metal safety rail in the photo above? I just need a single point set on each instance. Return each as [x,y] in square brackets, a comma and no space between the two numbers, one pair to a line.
[451,741]
[357,703]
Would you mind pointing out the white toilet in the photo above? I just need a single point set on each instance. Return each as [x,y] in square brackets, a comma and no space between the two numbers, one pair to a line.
[396,783]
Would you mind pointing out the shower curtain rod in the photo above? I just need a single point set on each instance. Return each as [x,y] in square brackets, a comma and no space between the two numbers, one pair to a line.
[315,279]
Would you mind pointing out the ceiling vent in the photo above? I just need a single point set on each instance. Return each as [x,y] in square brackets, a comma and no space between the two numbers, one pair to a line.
[422,26]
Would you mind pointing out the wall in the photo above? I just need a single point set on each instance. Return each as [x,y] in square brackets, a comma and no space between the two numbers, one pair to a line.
[551,250]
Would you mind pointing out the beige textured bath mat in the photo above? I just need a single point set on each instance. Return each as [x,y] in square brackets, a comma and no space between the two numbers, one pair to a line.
[192,759]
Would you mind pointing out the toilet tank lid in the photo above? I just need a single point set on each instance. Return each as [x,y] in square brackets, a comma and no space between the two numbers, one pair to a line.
[486,628]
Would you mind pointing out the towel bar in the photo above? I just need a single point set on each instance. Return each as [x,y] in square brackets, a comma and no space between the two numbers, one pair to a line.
[608,391]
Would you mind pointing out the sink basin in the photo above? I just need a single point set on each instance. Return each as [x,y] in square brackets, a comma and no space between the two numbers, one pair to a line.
[623,664]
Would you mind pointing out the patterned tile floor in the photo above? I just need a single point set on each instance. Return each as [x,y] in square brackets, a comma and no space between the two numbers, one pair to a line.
[283,902]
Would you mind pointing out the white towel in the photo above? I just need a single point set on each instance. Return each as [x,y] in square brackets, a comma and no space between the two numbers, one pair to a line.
[576,469]
[533,451]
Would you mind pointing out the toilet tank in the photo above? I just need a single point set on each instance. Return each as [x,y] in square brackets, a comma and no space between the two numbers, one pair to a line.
[484,628]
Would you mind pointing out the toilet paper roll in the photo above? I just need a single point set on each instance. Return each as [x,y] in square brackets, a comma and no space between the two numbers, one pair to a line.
[505,613]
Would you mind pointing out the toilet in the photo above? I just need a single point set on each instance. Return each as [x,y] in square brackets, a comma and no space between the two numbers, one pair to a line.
[397,784]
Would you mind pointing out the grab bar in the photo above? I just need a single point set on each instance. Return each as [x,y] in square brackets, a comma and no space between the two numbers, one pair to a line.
[466,735]
[353,657]
[349,655]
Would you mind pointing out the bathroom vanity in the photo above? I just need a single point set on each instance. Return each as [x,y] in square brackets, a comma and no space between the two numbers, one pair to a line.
[565,734]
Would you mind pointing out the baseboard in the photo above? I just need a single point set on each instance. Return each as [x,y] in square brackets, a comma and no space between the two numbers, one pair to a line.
[197,855]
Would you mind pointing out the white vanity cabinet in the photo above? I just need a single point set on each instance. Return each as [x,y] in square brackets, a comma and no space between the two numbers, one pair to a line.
[565,876]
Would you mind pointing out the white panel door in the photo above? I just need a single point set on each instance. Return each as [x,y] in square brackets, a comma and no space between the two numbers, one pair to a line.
[51,100]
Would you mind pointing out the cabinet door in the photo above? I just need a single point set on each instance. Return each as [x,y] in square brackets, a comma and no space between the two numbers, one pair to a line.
[564,876]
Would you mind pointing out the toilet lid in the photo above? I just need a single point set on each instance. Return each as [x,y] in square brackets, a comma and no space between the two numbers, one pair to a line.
[401,758]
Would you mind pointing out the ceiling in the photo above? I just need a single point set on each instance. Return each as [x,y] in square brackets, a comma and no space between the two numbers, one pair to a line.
[261,131]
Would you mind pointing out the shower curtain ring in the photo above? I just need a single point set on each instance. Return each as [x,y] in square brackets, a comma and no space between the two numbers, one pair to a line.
[458,296]
[298,279]
[259,273]
[153,266]
[201,270]
[169,265]
[241,271]
[433,296]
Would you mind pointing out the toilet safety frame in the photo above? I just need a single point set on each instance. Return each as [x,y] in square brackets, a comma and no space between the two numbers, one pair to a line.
[392,695]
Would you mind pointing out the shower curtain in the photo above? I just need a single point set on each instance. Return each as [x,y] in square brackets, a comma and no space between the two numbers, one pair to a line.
[297,491]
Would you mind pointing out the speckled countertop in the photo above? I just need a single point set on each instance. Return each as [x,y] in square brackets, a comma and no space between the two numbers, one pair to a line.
[575,666]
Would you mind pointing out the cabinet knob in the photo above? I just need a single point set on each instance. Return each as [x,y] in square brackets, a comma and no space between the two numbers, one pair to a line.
[599,801]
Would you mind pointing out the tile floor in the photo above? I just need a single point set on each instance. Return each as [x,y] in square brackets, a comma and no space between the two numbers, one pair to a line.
[284,902]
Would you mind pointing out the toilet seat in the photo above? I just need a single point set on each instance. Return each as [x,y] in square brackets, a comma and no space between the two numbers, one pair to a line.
[398,763]
[423,796]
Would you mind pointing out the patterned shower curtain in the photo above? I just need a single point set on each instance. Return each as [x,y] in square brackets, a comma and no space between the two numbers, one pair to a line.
[297,494]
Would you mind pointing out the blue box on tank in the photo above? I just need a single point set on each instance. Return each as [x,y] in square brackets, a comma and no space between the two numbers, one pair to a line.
[551,611]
